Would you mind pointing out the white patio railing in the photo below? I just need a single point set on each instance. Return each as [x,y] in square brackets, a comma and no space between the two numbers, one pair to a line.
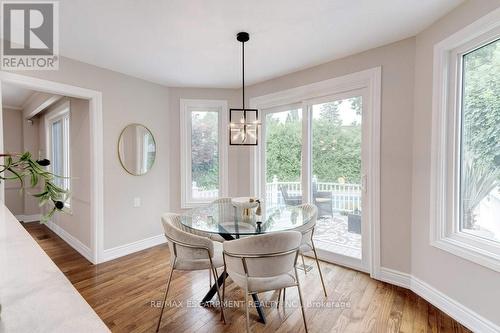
[345,197]
[200,193]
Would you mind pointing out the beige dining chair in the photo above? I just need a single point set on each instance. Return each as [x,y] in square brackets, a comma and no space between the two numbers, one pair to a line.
[307,243]
[222,200]
[219,201]
[263,263]
[189,252]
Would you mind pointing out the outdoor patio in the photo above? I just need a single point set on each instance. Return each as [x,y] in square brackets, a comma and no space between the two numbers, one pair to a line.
[335,201]
[331,235]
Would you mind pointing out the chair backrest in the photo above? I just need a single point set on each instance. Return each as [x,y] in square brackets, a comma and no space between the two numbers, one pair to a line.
[183,244]
[263,255]
[284,192]
[221,201]
[226,211]
[307,229]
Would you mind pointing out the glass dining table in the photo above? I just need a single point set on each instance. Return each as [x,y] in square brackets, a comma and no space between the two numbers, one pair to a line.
[232,222]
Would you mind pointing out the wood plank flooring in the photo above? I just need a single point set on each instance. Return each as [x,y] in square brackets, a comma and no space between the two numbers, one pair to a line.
[124,293]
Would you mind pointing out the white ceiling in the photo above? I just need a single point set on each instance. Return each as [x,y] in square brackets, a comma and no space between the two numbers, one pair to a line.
[15,96]
[192,42]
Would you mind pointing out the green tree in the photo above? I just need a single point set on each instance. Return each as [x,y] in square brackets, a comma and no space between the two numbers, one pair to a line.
[480,127]
[481,106]
[205,150]
[283,147]
[336,147]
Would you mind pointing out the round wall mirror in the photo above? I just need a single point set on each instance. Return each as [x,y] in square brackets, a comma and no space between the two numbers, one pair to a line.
[136,149]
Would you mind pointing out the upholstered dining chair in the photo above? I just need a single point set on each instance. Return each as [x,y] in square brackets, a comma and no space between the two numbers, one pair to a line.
[307,243]
[219,201]
[263,263]
[189,252]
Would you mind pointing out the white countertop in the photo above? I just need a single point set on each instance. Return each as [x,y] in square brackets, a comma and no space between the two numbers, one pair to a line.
[34,294]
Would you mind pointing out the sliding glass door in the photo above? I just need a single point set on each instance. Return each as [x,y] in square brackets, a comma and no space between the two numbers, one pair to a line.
[315,153]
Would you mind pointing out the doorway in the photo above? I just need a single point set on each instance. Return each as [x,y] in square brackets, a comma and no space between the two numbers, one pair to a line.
[94,100]
[325,150]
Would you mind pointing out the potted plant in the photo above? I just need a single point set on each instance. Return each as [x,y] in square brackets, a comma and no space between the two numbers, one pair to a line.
[18,167]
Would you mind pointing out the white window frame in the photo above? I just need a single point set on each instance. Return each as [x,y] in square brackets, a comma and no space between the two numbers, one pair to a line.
[61,112]
[186,107]
[445,230]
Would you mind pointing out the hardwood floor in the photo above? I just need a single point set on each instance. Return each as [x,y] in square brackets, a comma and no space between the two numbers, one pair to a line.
[124,293]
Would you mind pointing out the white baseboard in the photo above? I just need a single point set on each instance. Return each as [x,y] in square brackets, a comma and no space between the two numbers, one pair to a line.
[123,250]
[394,277]
[72,241]
[29,218]
[454,309]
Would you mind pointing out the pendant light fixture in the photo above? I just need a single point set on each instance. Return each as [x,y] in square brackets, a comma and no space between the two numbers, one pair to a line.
[243,123]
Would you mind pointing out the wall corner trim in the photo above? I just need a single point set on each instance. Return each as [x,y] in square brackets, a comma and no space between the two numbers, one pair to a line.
[395,277]
[451,307]
[123,250]
[72,241]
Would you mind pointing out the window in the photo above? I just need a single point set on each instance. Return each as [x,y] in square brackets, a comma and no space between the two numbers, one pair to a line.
[57,127]
[204,138]
[465,193]
[480,142]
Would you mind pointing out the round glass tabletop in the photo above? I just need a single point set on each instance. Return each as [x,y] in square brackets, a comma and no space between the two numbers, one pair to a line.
[226,219]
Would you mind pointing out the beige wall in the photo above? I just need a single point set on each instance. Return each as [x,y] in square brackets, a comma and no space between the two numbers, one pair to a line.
[76,222]
[475,286]
[397,61]
[13,143]
[31,144]
[130,100]
[125,100]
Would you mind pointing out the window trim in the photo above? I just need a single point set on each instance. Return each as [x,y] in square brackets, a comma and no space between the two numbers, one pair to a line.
[186,107]
[61,112]
[445,232]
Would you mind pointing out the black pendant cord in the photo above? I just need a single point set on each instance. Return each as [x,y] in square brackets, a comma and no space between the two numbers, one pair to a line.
[243,75]
[243,90]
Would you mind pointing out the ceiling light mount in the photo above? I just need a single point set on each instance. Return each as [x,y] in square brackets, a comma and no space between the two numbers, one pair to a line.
[243,37]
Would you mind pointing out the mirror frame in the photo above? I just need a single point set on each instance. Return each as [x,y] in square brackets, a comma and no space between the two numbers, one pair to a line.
[118,149]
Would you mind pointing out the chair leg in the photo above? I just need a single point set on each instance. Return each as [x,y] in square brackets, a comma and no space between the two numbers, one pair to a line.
[303,263]
[224,286]
[165,297]
[284,299]
[209,279]
[214,272]
[246,308]
[279,297]
[319,269]
[301,302]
